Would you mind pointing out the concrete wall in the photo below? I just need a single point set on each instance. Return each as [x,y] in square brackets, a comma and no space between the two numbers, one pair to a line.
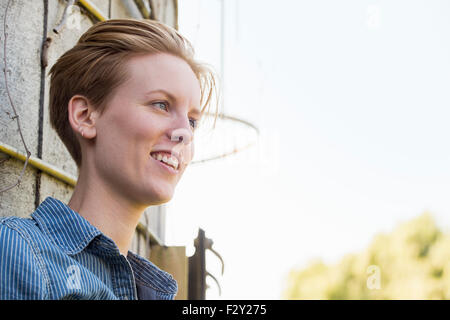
[29,23]
[24,39]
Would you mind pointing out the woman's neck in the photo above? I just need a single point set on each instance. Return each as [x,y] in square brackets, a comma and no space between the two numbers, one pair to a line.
[105,209]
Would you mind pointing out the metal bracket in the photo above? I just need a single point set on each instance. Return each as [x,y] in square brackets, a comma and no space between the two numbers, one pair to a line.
[197,268]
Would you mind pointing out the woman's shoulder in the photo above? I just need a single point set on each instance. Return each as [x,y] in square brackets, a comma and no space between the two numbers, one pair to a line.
[23,238]
[23,275]
[18,228]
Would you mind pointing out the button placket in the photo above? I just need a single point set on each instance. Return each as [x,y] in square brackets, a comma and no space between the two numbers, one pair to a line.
[132,276]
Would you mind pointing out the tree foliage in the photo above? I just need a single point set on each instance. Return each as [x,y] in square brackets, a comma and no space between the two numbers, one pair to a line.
[411,262]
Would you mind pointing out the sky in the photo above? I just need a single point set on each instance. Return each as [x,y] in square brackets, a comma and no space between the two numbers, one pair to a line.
[351,102]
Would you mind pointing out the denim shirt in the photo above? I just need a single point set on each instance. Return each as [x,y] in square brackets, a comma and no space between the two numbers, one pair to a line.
[58,254]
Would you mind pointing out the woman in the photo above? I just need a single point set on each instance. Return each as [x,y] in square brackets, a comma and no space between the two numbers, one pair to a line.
[125,101]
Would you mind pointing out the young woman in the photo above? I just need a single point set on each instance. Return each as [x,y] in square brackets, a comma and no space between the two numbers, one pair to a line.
[125,101]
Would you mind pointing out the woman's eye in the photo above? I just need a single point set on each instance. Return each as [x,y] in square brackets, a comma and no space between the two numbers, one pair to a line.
[160,103]
[195,123]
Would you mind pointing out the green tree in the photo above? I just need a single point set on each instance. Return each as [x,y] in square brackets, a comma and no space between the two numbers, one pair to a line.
[412,262]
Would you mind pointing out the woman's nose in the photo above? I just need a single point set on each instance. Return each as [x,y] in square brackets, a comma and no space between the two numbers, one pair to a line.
[183,131]
[181,135]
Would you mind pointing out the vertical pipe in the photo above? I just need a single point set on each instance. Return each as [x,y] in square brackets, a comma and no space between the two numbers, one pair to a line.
[37,192]
[222,53]
[197,269]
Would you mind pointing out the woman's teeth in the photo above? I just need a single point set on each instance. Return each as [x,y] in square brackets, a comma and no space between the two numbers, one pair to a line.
[169,160]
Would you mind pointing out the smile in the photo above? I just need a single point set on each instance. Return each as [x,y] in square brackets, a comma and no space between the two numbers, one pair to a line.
[165,166]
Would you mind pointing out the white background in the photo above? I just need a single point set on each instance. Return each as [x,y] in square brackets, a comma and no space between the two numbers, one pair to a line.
[352,102]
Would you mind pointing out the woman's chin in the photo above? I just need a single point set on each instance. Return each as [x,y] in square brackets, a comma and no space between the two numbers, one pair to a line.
[158,189]
[158,197]
[161,201]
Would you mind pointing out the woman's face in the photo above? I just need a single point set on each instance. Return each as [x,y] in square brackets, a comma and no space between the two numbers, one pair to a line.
[158,104]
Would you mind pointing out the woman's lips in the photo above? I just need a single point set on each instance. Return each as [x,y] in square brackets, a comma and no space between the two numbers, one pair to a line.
[165,167]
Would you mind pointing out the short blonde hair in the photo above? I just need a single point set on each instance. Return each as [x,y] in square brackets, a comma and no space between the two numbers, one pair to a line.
[95,67]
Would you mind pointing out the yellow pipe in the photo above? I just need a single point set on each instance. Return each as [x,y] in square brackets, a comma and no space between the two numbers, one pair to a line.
[39,164]
[65,177]
[89,6]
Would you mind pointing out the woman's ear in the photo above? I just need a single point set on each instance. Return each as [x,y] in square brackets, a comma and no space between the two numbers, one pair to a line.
[82,117]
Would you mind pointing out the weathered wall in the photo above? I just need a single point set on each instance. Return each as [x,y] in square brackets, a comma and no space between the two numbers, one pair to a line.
[28,24]
[25,25]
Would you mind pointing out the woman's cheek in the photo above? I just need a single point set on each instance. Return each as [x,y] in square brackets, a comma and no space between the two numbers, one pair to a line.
[147,127]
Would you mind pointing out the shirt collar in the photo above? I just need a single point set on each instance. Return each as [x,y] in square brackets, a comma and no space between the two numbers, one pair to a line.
[72,233]
[149,275]
[67,228]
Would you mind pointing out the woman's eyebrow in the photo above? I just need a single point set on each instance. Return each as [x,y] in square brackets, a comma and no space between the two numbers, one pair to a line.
[196,112]
[166,93]
[171,97]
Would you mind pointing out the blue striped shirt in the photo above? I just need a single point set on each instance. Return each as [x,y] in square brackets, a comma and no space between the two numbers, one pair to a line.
[58,254]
